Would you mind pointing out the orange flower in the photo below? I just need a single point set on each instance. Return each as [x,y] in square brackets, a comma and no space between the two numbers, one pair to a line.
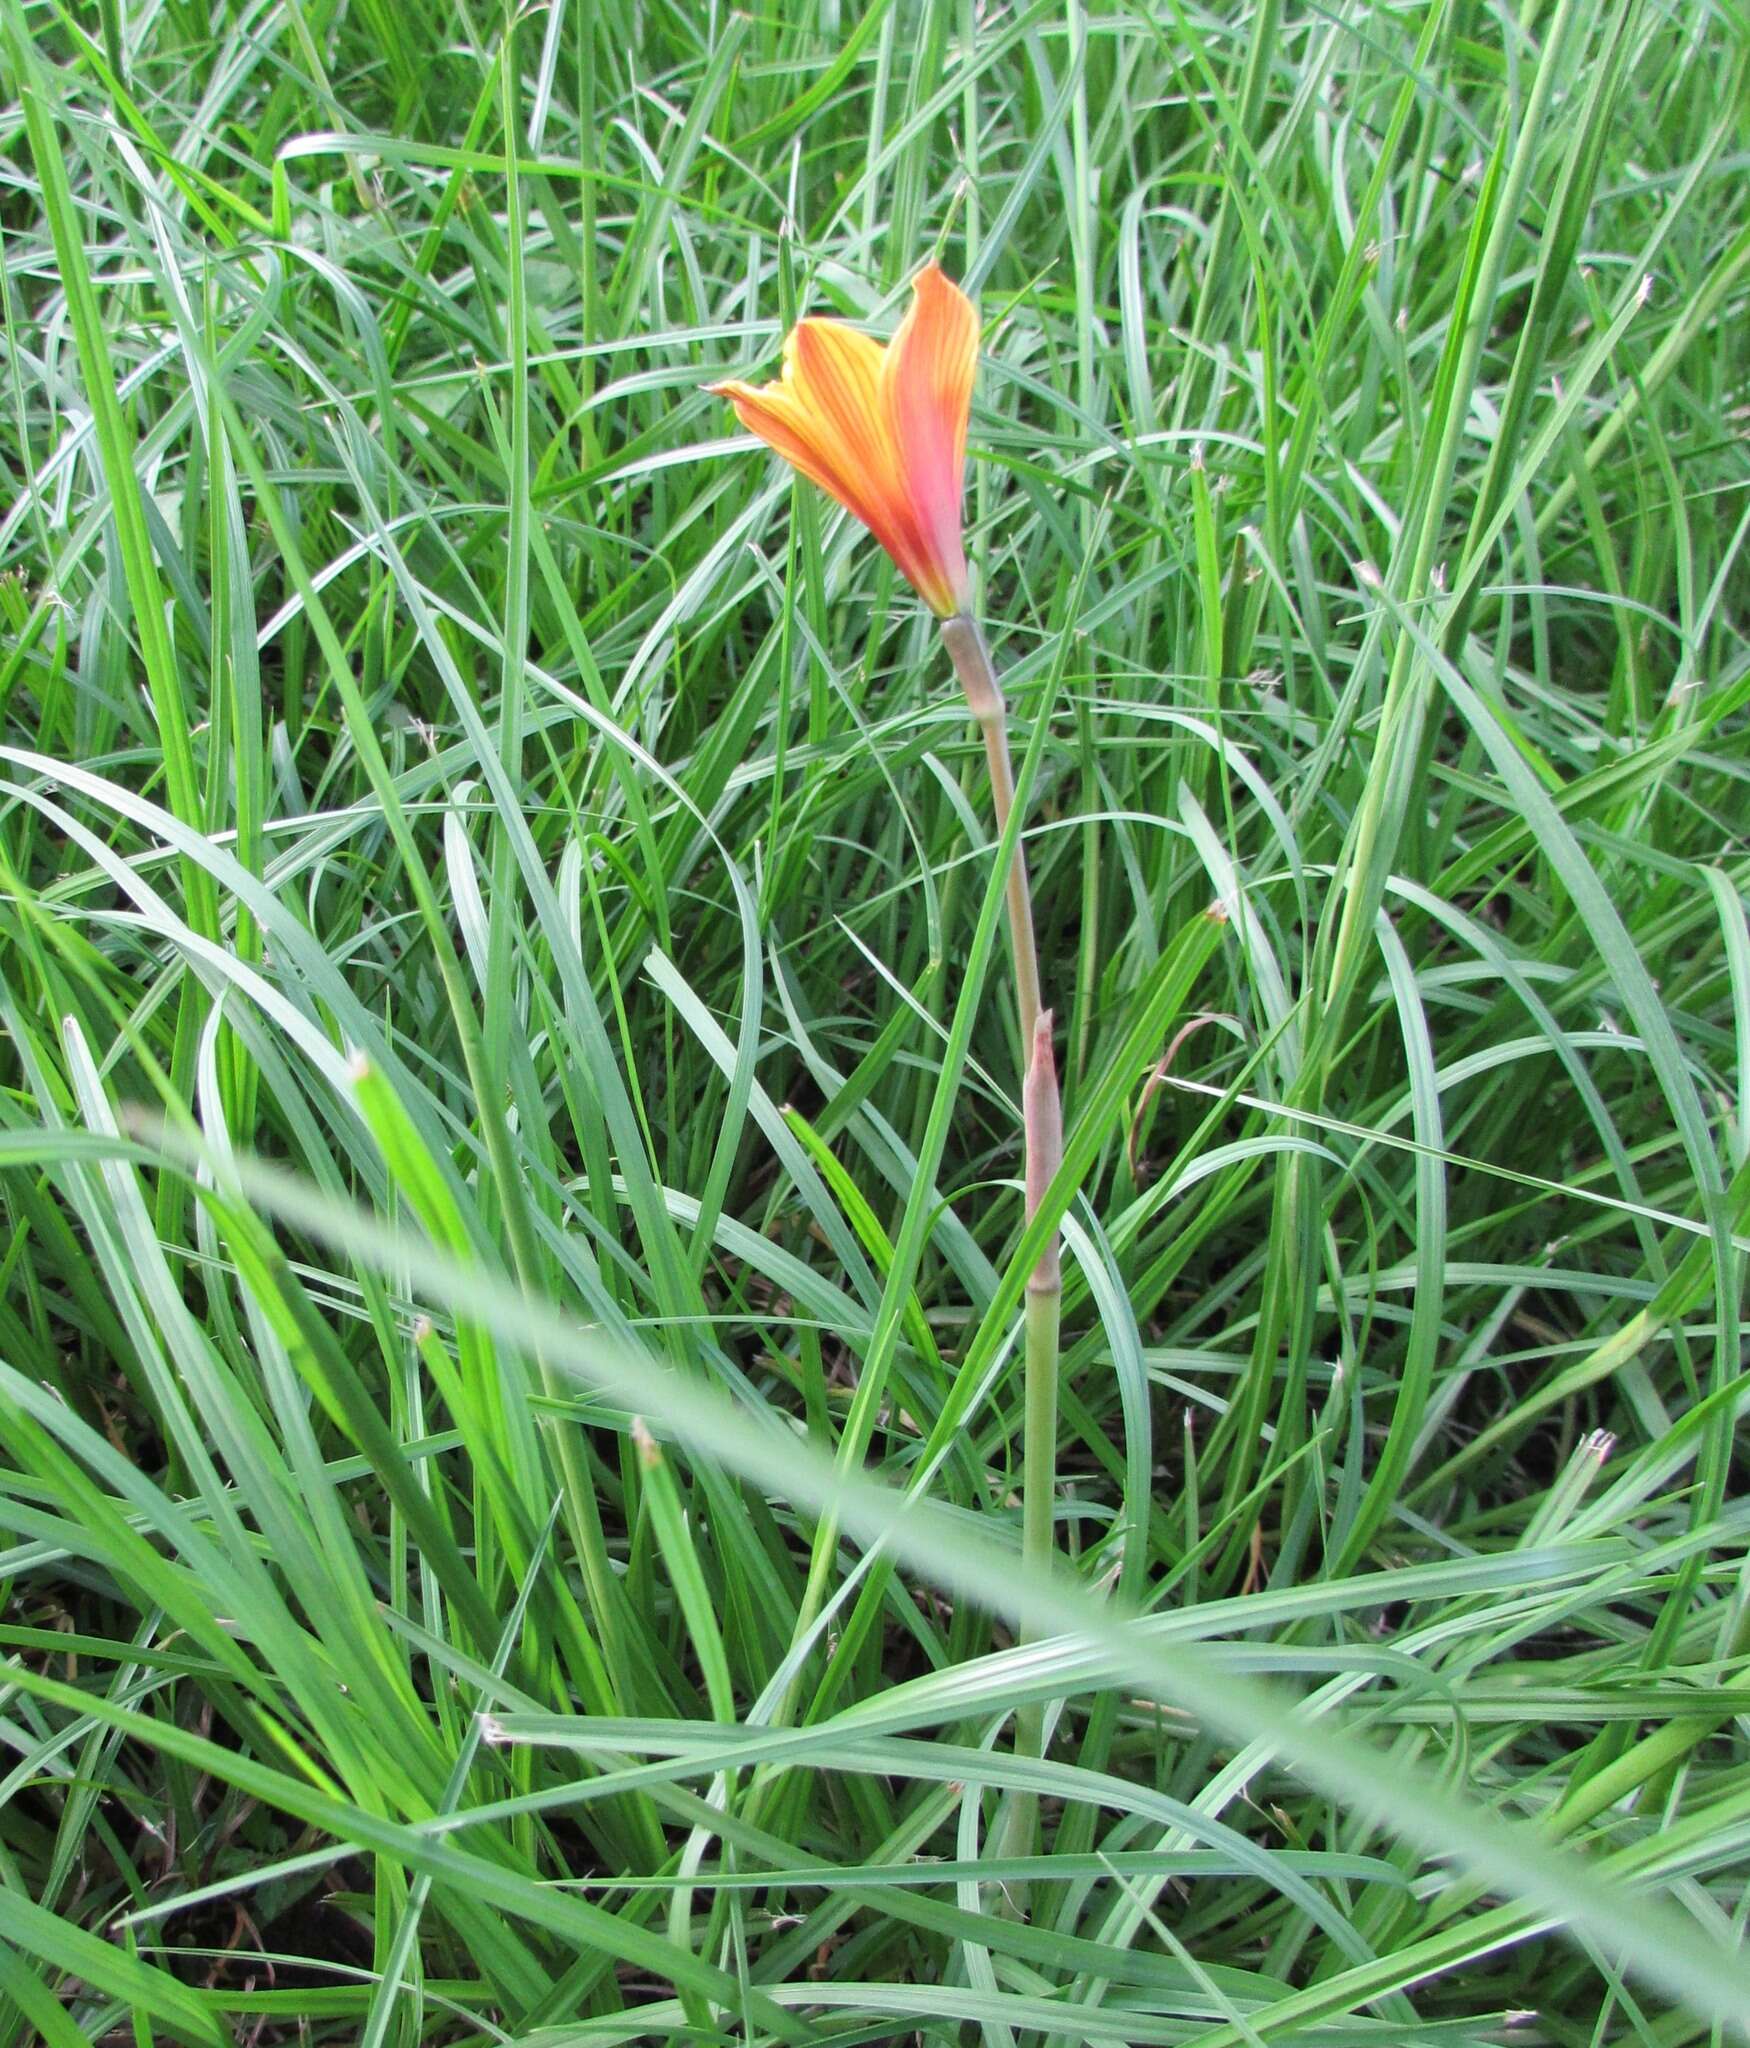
[883,428]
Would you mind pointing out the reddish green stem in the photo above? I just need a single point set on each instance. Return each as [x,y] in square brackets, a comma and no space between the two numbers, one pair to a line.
[1042,1136]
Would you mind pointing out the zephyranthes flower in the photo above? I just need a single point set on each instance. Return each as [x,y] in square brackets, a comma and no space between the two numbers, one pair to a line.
[882,426]
[883,429]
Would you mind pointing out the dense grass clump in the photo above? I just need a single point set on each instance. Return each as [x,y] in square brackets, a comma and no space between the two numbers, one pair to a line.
[504,1036]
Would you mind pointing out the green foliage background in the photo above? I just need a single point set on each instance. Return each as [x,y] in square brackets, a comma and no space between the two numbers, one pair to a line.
[498,937]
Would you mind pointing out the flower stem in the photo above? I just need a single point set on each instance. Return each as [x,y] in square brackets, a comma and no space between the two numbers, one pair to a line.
[1042,1133]
[1042,1125]
[984,699]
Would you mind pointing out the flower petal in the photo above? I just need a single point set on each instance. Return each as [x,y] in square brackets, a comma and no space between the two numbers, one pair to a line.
[927,396]
[836,371]
[837,374]
[773,412]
